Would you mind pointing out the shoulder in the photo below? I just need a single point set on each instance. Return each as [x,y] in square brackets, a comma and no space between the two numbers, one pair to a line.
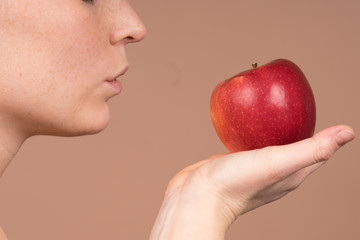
[2,235]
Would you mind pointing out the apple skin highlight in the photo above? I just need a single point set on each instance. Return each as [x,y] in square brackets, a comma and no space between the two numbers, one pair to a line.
[265,106]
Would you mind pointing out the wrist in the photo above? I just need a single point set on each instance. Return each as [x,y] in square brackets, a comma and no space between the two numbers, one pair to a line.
[192,213]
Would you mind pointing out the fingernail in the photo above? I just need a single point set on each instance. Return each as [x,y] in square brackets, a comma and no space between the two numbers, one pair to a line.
[344,136]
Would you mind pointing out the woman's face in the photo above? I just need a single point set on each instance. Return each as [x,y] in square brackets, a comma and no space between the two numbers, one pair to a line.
[56,58]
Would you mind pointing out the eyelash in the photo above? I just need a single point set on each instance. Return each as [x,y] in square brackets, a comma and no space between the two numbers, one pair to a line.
[89,1]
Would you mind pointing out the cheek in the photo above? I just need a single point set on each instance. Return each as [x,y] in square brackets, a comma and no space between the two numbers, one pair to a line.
[53,71]
[77,49]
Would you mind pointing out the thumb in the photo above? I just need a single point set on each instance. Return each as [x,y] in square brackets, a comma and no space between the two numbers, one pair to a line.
[288,159]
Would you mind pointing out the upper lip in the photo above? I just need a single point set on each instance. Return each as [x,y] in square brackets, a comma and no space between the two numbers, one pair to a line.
[122,72]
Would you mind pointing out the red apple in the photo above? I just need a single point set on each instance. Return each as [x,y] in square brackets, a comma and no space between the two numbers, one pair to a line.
[265,106]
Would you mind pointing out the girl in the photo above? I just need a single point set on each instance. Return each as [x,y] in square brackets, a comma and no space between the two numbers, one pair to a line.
[60,61]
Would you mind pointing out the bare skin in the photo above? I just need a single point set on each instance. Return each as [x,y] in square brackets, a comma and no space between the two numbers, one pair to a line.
[56,66]
[54,81]
[2,235]
[203,200]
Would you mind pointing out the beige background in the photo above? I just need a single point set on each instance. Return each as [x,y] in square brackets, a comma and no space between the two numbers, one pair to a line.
[110,185]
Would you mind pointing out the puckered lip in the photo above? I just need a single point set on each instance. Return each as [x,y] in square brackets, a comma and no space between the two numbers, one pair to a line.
[122,72]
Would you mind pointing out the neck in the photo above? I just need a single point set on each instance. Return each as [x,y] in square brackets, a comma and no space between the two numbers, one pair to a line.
[10,143]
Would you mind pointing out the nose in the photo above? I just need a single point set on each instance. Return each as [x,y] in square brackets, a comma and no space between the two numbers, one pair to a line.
[127,27]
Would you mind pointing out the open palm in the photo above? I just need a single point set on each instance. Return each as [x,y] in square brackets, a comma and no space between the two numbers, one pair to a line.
[214,192]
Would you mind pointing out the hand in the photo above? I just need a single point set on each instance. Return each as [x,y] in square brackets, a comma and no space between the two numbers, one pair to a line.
[204,199]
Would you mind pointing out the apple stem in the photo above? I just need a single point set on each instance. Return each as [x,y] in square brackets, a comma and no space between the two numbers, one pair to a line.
[254,65]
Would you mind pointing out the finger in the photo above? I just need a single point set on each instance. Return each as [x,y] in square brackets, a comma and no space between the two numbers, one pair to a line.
[282,161]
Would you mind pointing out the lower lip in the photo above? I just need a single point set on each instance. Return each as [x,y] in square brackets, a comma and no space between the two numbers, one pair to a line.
[116,85]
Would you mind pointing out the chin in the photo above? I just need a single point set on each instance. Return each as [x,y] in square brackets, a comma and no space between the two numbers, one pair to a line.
[90,125]
[91,122]
[91,129]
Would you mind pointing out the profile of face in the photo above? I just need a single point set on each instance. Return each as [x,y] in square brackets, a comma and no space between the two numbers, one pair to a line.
[57,58]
